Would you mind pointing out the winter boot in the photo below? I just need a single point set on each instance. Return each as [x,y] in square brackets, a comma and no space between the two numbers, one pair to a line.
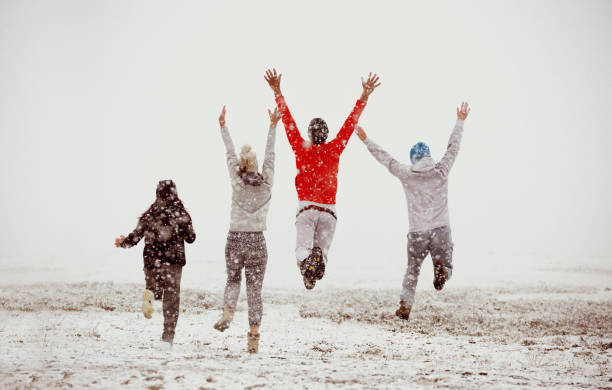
[403,312]
[226,318]
[307,271]
[147,304]
[317,259]
[312,268]
[440,276]
[253,342]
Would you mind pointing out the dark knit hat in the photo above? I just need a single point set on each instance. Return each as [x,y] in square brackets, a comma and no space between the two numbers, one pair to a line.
[317,130]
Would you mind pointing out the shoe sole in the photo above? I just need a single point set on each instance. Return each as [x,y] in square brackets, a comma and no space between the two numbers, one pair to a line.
[307,268]
[309,283]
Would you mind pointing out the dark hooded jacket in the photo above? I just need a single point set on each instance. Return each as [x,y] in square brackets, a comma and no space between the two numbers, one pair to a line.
[166,225]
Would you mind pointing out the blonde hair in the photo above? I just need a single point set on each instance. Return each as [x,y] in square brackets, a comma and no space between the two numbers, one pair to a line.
[248,160]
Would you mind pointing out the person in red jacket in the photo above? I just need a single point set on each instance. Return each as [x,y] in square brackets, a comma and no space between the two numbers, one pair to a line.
[317,179]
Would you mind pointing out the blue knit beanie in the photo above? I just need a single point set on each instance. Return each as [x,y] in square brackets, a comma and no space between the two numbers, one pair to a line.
[418,151]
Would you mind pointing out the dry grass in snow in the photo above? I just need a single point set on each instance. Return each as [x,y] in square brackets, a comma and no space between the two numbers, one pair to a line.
[93,335]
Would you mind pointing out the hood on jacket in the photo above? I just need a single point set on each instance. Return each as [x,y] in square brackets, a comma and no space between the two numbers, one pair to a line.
[166,190]
[252,178]
[423,165]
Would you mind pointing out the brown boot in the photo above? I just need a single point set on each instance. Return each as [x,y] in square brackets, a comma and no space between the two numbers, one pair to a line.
[253,342]
[226,318]
[403,312]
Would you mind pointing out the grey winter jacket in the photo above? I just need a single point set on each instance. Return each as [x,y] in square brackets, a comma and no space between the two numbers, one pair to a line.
[425,183]
[250,203]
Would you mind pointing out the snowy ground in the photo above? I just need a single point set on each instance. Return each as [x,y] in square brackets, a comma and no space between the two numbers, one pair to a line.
[91,334]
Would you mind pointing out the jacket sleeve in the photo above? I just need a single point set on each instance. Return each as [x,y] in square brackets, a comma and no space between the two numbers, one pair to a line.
[339,143]
[188,233]
[232,160]
[134,237]
[293,135]
[397,169]
[268,164]
[445,165]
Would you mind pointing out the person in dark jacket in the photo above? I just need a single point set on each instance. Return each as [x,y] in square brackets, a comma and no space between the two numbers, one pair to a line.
[166,225]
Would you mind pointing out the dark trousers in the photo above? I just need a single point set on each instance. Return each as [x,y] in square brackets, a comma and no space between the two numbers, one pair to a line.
[165,282]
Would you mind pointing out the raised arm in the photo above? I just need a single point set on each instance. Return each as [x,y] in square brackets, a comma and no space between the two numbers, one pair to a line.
[447,161]
[268,164]
[397,169]
[232,160]
[293,135]
[339,143]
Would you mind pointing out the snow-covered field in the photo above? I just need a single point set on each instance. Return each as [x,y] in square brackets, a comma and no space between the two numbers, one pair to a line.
[91,334]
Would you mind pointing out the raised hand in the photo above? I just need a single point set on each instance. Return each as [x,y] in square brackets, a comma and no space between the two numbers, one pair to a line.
[119,241]
[360,133]
[369,85]
[273,80]
[275,116]
[222,118]
[463,112]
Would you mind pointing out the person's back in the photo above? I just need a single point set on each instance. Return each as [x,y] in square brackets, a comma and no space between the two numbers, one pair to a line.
[165,226]
[316,181]
[246,245]
[426,188]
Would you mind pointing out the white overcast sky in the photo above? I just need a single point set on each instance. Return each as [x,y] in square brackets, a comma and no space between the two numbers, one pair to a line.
[101,99]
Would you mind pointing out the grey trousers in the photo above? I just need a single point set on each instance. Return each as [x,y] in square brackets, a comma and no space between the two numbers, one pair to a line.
[246,250]
[165,283]
[313,228]
[439,244]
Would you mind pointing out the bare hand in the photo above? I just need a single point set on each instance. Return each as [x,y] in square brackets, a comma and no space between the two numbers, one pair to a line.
[119,241]
[273,80]
[360,133]
[369,85]
[222,118]
[275,116]
[463,112]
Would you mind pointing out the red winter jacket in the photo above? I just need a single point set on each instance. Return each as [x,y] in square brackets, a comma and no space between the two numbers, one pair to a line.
[317,178]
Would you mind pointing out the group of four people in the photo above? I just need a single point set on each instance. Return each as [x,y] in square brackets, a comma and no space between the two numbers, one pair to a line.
[166,225]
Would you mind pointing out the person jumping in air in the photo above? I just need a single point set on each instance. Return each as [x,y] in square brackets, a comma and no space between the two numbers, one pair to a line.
[246,244]
[317,179]
[166,225]
[426,186]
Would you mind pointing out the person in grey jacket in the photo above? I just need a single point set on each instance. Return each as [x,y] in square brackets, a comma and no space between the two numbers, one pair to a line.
[246,244]
[426,187]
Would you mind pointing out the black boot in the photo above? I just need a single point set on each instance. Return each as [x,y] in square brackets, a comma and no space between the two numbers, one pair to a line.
[307,274]
[313,268]
[440,276]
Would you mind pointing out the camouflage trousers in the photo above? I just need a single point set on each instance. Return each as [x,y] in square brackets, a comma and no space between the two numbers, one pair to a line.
[165,283]
[246,250]
[436,242]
